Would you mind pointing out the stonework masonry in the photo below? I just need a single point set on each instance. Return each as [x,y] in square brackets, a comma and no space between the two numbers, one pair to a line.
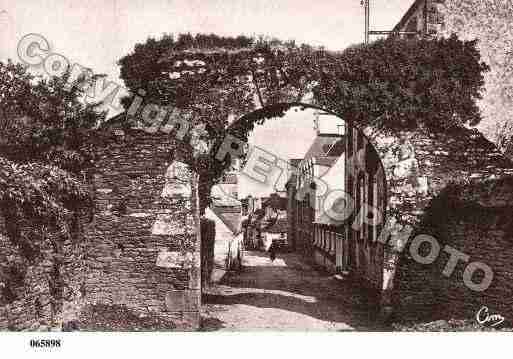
[141,250]
[144,245]
[34,304]
[455,186]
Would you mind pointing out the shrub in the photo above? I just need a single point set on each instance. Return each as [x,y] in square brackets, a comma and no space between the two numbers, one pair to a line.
[403,84]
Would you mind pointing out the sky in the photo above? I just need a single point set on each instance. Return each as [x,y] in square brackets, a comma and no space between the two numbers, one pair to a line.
[97,33]
[286,137]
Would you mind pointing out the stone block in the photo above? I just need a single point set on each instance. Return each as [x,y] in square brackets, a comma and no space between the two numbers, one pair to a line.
[182,300]
[104,190]
[167,259]
[140,215]
[166,225]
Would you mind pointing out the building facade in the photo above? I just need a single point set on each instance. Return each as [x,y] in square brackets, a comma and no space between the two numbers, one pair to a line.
[291,189]
[423,17]
[366,186]
[340,165]
[314,234]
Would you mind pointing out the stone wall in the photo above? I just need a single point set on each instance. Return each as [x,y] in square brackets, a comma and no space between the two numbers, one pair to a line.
[29,299]
[141,250]
[476,220]
[144,242]
[431,178]
[480,225]
[208,239]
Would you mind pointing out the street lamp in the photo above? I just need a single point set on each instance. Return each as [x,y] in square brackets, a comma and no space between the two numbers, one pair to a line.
[366,4]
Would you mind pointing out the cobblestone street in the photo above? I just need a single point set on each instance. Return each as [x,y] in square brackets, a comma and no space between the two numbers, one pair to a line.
[284,295]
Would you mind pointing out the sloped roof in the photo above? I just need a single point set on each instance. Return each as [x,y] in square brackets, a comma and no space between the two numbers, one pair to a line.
[338,148]
[406,17]
[322,147]
[228,209]
[232,219]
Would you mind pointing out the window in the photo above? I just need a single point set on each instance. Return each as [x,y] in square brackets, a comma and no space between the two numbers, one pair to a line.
[355,140]
[361,140]
[349,143]
[350,184]
[363,201]
[357,197]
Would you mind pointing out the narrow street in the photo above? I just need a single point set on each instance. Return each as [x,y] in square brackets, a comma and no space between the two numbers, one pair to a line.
[284,295]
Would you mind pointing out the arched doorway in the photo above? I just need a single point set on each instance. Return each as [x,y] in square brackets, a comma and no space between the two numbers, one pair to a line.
[319,175]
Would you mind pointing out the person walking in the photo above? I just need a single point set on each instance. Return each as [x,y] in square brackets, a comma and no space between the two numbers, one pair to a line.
[272,251]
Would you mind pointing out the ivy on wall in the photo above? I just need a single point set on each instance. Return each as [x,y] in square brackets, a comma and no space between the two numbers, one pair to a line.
[399,84]
[44,150]
[392,84]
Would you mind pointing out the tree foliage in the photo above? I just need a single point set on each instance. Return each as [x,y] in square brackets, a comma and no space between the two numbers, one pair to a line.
[44,120]
[399,84]
[45,130]
[43,149]
[217,77]
[42,195]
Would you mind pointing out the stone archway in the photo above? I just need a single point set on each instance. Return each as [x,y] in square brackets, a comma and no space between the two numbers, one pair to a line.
[145,241]
[362,178]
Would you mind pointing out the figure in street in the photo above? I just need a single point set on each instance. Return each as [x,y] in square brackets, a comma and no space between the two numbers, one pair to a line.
[272,251]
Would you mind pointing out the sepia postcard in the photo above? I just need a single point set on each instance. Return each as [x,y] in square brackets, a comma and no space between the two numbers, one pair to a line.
[171,166]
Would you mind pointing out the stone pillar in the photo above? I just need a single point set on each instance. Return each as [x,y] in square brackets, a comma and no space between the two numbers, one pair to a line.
[181,192]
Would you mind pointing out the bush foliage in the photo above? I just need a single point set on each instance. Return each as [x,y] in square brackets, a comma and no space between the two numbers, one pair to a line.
[403,84]
[43,150]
